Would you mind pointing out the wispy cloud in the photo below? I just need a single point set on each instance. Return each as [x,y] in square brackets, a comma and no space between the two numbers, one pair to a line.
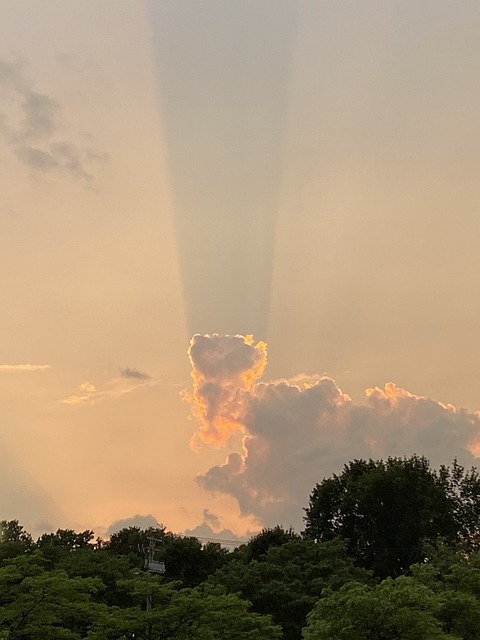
[115,388]
[31,124]
[134,373]
[294,433]
[24,367]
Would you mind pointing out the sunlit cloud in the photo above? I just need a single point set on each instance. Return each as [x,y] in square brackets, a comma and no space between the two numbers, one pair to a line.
[224,370]
[116,388]
[295,433]
[24,367]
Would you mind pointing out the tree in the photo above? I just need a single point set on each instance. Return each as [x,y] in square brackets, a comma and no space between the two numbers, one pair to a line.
[54,546]
[455,580]
[14,540]
[395,609]
[259,545]
[189,561]
[35,603]
[204,613]
[132,542]
[92,562]
[186,558]
[385,511]
[287,580]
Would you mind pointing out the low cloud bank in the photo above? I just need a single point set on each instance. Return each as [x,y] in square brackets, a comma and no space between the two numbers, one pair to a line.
[295,433]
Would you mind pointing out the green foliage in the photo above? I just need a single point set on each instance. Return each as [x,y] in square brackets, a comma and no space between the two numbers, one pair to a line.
[441,599]
[463,488]
[400,609]
[287,580]
[391,517]
[455,579]
[38,603]
[181,614]
[55,546]
[386,511]
[92,562]
[14,540]
[132,543]
[188,561]
[258,546]
[35,603]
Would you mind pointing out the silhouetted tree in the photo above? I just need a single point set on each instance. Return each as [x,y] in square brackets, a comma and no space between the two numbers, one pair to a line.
[385,511]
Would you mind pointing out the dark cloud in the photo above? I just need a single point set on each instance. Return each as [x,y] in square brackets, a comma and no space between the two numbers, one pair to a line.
[40,115]
[296,433]
[12,77]
[211,518]
[142,522]
[134,373]
[36,158]
[204,532]
[30,123]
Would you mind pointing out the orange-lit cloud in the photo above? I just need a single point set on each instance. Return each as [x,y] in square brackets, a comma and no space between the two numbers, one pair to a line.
[117,387]
[224,371]
[295,433]
[24,367]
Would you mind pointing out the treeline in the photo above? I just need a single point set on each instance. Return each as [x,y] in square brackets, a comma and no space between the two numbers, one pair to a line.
[390,551]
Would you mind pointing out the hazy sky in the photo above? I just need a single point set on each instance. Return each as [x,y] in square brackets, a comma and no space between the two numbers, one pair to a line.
[305,171]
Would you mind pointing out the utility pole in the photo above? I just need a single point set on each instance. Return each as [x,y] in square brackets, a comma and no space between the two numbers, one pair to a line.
[152,565]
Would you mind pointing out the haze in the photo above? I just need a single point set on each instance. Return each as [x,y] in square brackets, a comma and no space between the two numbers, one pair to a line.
[302,171]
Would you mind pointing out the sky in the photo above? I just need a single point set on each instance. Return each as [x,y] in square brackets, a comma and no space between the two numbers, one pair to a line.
[238,248]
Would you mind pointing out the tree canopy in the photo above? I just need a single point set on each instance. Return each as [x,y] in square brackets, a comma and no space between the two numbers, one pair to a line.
[439,600]
[387,510]
[390,552]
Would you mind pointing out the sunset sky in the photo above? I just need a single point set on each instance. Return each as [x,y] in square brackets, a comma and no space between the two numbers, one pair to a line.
[303,171]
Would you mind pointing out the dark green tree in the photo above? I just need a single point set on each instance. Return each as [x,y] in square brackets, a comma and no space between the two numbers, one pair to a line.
[93,562]
[259,545]
[386,511]
[55,546]
[202,613]
[14,540]
[188,560]
[287,580]
[133,542]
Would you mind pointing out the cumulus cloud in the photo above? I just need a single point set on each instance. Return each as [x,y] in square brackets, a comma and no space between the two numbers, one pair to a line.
[24,367]
[205,533]
[140,521]
[31,124]
[211,519]
[294,433]
[224,370]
